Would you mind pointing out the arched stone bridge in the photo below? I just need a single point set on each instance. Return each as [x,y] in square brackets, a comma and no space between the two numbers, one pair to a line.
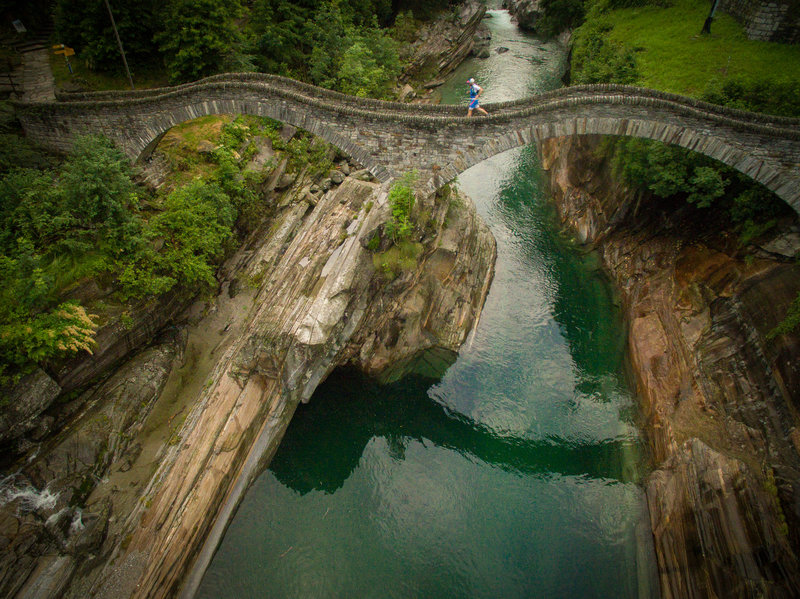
[390,138]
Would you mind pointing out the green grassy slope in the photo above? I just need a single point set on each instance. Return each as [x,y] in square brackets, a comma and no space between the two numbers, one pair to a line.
[673,56]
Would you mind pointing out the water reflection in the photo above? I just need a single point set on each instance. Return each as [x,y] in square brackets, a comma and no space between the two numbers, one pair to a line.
[583,301]
[547,359]
[329,436]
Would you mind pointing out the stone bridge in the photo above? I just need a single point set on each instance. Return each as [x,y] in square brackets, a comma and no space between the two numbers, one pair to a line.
[390,138]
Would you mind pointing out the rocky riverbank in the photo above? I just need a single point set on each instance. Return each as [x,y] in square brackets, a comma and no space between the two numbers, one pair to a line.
[132,496]
[442,45]
[525,12]
[128,480]
[720,396]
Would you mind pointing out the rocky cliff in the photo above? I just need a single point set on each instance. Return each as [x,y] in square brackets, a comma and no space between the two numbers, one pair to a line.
[443,44]
[525,12]
[720,396]
[132,497]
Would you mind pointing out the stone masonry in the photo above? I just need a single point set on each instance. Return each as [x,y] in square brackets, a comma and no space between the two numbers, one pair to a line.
[772,21]
[390,138]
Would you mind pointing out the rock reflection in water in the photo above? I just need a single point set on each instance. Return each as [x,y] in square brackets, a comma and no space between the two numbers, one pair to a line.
[328,436]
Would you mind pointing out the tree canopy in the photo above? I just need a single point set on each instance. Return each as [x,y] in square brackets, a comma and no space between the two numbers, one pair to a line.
[341,45]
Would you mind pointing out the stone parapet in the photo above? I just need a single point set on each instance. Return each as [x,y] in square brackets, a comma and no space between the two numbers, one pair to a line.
[390,138]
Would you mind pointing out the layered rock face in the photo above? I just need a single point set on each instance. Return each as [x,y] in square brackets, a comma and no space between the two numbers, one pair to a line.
[444,44]
[46,534]
[161,453]
[26,421]
[720,396]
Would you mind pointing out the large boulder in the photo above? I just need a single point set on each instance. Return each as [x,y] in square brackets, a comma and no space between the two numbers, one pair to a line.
[337,177]
[24,403]
[104,432]
[407,93]
[525,12]
[264,153]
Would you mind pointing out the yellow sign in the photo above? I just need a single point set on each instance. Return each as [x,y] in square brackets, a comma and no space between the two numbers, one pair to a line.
[66,52]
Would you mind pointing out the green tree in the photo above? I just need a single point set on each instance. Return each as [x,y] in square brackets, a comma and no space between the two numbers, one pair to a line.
[771,97]
[359,60]
[90,204]
[705,185]
[595,59]
[282,36]
[192,229]
[29,210]
[364,12]
[405,27]
[668,171]
[86,26]
[96,186]
[401,200]
[369,66]
[200,38]
[671,171]
[330,41]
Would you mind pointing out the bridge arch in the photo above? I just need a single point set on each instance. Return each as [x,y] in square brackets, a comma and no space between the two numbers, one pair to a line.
[656,130]
[390,138]
[153,128]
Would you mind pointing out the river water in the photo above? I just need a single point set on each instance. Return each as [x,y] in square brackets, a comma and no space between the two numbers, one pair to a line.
[516,474]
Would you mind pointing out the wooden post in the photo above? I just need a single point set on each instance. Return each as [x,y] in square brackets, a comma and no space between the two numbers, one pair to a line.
[707,25]
[119,43]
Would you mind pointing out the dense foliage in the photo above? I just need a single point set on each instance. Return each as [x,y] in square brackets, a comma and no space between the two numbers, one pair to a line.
[336,46]
[671,171]
[401,201]
[57,228]
[200,38]
[598,59]
[61,228]
[185,239]
[86,26]
[762,95]
[348,46]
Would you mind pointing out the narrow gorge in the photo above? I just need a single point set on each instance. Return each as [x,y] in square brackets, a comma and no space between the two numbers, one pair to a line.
[718,392]
[536,380]
[159,454]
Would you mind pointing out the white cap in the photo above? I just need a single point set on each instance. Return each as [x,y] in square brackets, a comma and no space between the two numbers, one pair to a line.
[470,80]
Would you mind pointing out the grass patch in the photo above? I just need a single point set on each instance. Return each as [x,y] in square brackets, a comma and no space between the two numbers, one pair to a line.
[180,143]
[401,257]
[673,56]
[143,78]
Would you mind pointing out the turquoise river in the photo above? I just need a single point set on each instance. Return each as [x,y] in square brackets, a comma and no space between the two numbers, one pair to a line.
[517,473]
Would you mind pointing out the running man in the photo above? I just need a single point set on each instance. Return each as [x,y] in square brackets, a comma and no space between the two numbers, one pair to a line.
[474,93]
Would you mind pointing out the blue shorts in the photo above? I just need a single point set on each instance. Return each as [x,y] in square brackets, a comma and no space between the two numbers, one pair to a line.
[473,104]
